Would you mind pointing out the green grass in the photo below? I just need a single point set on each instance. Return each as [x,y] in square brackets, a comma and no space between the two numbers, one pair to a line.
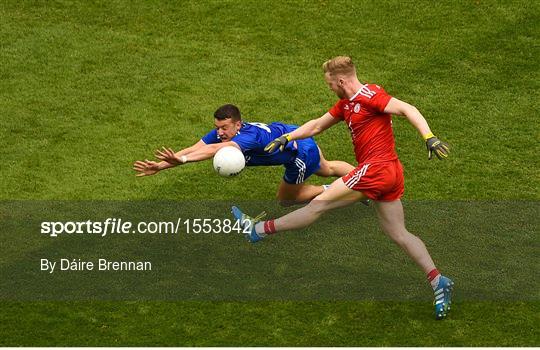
[86,88]
[267,324]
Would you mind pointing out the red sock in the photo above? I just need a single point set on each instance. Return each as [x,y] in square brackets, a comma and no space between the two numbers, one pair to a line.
[432,274]
[433,278]
[269,227]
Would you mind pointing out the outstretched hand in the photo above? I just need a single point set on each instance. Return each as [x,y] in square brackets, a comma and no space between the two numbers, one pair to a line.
[437,147]
[145,168]
[168,155]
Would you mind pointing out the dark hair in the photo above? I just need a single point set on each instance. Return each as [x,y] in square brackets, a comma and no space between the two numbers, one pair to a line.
[228,111]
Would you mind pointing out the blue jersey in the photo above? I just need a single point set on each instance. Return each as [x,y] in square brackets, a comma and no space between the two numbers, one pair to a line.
[253,137]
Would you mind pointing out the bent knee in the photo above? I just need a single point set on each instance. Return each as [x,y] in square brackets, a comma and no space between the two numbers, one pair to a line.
[325,171]
[287,199]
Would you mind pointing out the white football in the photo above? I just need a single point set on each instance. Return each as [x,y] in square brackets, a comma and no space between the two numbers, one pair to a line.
[229,161]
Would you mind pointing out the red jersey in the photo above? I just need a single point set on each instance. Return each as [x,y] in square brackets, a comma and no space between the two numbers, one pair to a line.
[371,128]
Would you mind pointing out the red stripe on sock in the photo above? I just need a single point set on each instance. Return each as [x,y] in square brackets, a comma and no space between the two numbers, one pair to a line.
[272,226]
[432,274]
[269,227]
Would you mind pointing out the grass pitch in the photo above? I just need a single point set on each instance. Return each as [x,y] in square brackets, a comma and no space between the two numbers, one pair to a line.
[86,88]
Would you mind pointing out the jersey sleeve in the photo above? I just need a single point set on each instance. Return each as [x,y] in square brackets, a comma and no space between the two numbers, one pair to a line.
[247,142]
[211,137]
[337,110]
[380,99]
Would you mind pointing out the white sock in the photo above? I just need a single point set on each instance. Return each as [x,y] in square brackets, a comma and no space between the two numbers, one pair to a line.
[259,228]
[435,282]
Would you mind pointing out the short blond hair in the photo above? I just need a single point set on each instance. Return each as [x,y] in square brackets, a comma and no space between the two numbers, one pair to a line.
[339,65]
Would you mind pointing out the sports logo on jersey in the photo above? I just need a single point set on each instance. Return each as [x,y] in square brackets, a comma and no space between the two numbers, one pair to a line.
[357,108]
[346,107]
[366,92]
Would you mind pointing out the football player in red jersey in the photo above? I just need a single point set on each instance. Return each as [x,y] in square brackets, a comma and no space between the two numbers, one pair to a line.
[367,110]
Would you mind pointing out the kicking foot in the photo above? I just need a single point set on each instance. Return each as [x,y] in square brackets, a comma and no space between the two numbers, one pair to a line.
[247,223]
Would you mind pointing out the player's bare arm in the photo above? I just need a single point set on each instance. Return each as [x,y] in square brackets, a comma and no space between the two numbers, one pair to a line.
[148,167]
[202,153]
[191,149]
[311,128]
[174,157]
[413,115]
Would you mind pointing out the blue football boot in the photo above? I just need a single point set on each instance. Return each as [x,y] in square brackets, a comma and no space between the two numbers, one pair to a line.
[247,223]
[443,297]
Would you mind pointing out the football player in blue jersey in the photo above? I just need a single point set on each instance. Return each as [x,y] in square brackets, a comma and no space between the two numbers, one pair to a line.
[301,158]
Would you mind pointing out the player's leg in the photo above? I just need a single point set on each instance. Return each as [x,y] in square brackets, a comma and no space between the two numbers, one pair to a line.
[392,221]
[337,196]
[336,168]
[293,189]
[291,194]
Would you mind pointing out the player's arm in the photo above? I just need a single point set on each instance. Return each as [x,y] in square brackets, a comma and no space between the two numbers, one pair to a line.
[191,149]
[178,155]
[413,115]
[148,167]
[202,153]
[311,128]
